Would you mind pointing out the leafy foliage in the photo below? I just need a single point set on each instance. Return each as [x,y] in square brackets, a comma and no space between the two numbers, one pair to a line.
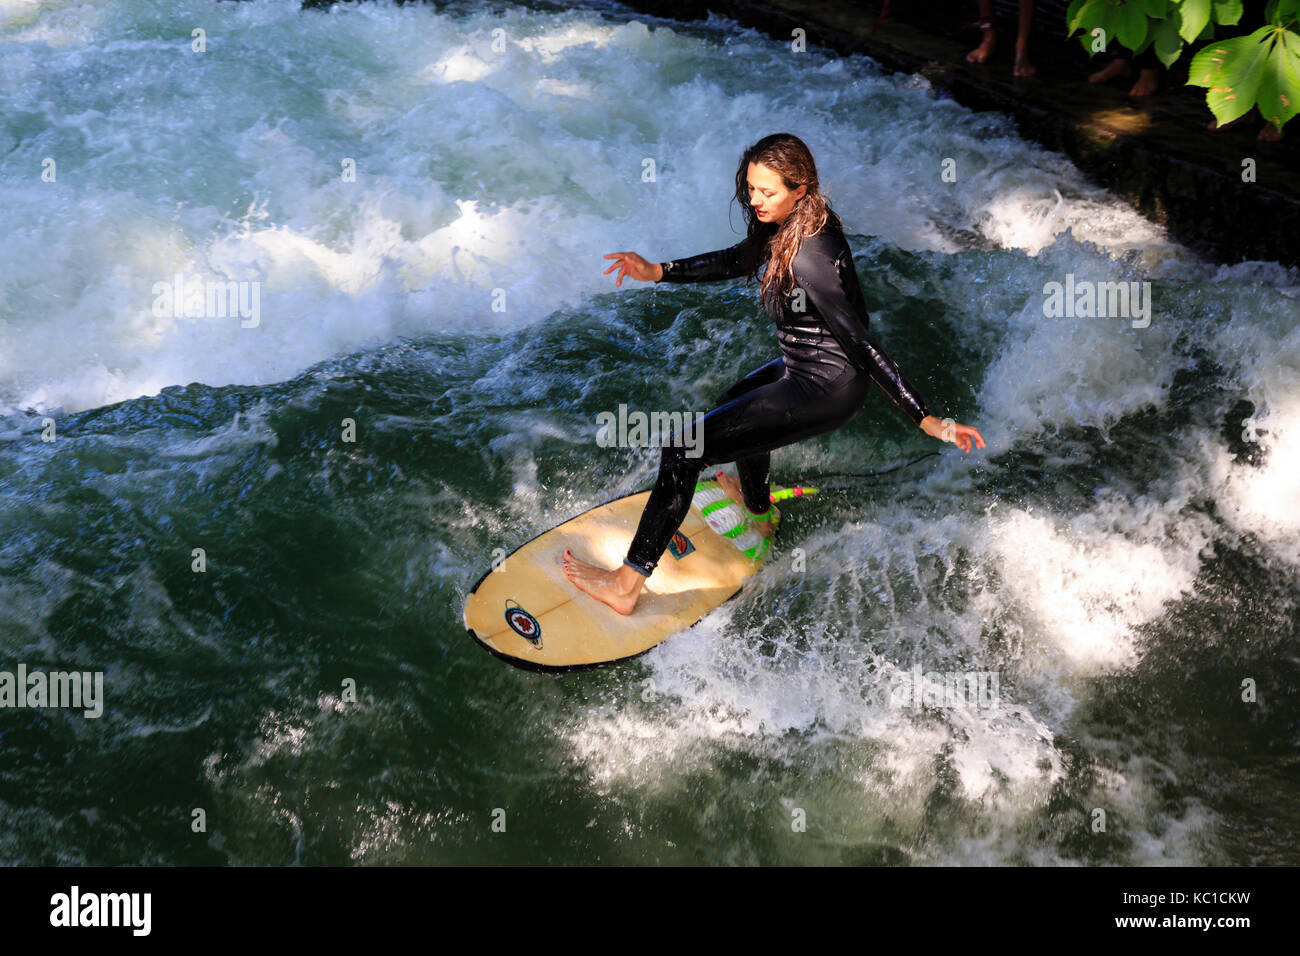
[1260,70]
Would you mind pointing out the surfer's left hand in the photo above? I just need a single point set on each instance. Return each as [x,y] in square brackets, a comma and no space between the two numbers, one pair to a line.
[947,430]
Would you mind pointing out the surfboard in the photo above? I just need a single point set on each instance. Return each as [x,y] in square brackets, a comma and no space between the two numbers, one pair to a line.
[525,611]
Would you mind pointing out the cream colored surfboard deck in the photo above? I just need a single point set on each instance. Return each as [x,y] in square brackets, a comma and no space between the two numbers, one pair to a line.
[529,613]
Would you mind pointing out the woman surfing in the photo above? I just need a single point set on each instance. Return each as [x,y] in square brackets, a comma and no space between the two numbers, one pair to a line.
[819,382]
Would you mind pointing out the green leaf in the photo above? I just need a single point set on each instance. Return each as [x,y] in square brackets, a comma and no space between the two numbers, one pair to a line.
[1155,9]
[1074,15]
[1227,12]
[1195,14]
[1086,15]
[1232,70]
[1094,14]
[1279,87]
[1070,12]
[1167,42]
[1131,25]
[1107,17]
[1286,10]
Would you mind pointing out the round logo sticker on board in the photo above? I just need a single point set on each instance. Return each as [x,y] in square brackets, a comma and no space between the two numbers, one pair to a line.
[523,623]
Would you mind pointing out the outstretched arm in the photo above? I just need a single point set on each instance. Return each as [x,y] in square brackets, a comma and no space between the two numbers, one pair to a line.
[706,267]
[825,282]
[709,266]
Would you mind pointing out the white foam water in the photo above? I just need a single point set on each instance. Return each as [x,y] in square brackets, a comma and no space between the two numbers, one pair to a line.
[494,170]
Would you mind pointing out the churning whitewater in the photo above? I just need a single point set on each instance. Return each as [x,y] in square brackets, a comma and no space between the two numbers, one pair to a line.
[1122,556]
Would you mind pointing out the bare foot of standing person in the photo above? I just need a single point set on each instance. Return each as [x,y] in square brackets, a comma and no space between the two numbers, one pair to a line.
[1115,68]
[984,51]
[1025,25]
[1023,66]
[1147,84]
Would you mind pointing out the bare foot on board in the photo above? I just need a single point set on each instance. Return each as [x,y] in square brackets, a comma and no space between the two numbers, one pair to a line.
[619,588]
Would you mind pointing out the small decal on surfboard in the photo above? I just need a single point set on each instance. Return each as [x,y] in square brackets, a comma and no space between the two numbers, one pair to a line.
[680,546]
[523,623]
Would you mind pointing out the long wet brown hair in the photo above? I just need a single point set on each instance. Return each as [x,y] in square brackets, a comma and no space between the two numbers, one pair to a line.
[787,156]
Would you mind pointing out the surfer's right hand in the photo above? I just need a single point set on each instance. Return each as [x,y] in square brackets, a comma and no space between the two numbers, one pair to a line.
[633,265]
[963,436]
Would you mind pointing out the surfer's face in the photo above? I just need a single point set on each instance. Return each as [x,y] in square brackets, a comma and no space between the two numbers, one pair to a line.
[772,202]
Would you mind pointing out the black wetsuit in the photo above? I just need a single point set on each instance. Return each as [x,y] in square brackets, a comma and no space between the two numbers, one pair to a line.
[827,365]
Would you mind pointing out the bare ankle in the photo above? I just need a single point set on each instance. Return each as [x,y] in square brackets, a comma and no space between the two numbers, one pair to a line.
[630,581]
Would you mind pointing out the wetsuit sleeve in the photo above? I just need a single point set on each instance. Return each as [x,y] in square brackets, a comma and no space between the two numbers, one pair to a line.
[823,280]
[709,266]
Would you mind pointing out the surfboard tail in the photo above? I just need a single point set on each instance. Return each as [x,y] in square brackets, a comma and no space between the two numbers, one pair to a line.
[735,523]
[727,518]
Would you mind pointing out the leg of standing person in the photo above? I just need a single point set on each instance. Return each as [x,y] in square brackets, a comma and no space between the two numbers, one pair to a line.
[754,470]
[1023,66]
[1148,67]
[989,36]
